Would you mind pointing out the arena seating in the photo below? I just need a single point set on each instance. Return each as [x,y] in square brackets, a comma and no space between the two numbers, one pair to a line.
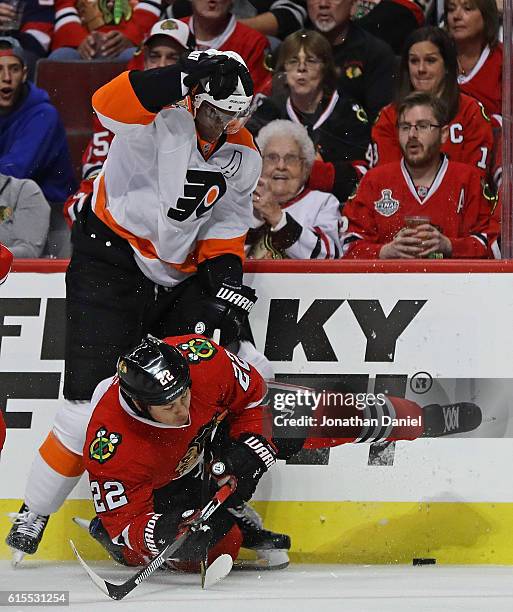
[70,86]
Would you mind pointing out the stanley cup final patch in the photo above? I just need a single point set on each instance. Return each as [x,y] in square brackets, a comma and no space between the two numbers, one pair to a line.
[386,206]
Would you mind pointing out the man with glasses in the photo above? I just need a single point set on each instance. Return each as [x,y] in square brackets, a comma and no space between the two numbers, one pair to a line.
[423,206]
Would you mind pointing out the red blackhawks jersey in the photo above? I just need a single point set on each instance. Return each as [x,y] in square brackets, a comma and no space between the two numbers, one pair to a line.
[74,19]
[484,81]
[470,138]
[454,203]
[128,457]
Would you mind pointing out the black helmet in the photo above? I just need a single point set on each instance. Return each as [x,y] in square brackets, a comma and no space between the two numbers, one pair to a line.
[153,373]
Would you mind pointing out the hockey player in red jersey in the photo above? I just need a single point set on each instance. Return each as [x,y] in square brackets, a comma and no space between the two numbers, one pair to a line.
[446,197]
[146,439]
[157,249]
[429,64]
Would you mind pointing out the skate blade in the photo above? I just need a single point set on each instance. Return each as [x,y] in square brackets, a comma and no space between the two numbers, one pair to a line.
[17,557]
[268,560]
[84,523]
[218,570]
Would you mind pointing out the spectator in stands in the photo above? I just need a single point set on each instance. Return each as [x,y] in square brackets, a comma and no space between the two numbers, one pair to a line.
[273,18]
[92,30]
[31,23]
[24,217]
[423,206]
[33,141]
[291,221]
[429,64]
[214,27]
[366,63]
[474,26]
[167,40]
[391,20]
[337,125]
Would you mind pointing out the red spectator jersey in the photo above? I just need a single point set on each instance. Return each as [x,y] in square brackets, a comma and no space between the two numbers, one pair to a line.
[128,457]
[470,136]
[455,203]
[5,262]
[484,82]
[71,18]
[37,21]
[247,42]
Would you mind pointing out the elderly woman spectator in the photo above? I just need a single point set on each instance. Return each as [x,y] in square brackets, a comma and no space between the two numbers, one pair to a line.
[474,26]
[24,217]
[429,64]
[337,125]
[291,221]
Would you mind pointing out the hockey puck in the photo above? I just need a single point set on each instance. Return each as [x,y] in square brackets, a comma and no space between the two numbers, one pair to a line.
[425,561]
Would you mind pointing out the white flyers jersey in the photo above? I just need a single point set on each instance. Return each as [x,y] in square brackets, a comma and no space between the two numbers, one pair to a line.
[158,191]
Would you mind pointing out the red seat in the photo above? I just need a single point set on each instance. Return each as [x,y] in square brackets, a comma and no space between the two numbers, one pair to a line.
[70,86]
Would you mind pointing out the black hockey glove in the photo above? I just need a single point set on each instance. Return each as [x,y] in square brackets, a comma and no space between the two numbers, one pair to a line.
[247,459]
[168,526]
[220,71]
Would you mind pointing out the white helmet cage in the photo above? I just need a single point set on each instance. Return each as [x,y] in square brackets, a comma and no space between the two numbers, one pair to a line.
[238,102]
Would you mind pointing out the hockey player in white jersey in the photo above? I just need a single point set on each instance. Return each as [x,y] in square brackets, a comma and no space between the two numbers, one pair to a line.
[157,248]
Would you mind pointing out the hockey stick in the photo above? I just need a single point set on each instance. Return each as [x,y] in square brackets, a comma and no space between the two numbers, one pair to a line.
[118,591]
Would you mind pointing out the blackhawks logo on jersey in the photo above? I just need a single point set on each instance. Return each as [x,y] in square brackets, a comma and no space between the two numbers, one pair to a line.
[198,349]
[103,447]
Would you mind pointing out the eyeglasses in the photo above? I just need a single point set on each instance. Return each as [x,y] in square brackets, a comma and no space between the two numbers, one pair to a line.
[290,159]
[294,62]
[422,127]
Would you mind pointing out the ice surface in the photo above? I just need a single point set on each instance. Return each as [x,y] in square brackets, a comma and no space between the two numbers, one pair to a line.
[308,588]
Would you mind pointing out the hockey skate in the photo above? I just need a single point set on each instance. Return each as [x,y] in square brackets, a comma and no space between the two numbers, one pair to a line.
[26,533]
[270,547]
[99,533]
[450,419]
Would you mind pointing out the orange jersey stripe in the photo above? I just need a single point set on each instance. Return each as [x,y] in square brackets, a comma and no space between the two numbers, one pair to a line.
[242,137]
[145,247]
[61,459]
[213,247]
[117,100]
[205,249]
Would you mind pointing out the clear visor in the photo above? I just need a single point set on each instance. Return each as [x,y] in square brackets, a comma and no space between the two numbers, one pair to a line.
[224,121]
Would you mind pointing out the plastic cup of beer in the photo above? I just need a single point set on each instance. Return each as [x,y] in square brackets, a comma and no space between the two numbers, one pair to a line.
[14,22]
[413,221]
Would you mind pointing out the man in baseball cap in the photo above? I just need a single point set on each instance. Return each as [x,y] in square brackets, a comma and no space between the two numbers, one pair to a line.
[167,40]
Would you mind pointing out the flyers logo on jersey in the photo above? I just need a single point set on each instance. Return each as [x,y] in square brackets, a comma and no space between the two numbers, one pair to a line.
[103,447]
[202,189]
